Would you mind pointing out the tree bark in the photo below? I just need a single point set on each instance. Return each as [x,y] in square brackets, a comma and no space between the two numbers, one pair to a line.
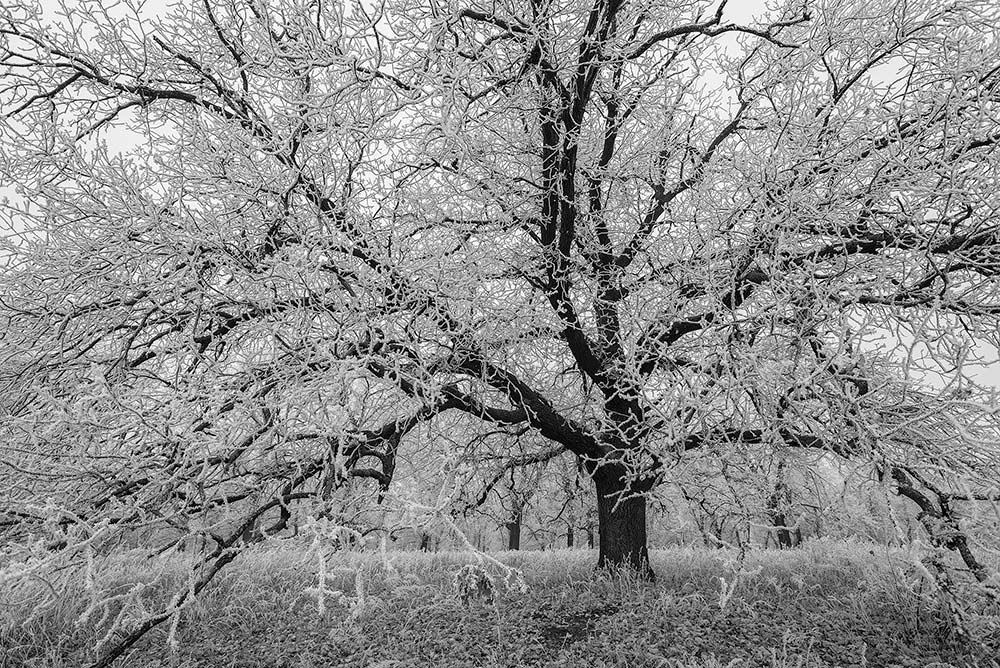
[514,532]
[621,525]
[781,498]
[569,536]
[248,533]
[786,537]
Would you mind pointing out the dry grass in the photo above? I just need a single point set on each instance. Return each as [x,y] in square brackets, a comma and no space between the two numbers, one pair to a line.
[826,604]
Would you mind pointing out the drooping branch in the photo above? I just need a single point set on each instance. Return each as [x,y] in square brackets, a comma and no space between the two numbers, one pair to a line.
[939,519]
[520,461]
[714,26]
[937,516]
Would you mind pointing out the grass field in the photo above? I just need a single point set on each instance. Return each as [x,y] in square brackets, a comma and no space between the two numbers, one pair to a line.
[826,604]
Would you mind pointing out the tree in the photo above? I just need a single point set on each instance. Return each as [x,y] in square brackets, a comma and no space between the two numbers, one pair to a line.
[632,229]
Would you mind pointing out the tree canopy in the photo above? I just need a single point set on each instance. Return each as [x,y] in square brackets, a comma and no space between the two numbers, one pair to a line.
[258,249]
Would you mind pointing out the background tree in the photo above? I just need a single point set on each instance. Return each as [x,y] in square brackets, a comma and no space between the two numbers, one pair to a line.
[634,229]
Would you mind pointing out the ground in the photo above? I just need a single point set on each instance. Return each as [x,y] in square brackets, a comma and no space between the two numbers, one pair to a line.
[826,604]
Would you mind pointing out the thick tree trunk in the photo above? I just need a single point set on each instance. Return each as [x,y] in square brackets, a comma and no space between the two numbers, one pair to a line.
[787,538]
[513,536]
[247,536]
[514,532]
[621,525]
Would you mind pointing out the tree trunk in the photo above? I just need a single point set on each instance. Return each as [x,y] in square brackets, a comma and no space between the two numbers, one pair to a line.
[781,498]
[786,537]
[514,532]
[569,536]
[590,537]
[621,525]
[247,537]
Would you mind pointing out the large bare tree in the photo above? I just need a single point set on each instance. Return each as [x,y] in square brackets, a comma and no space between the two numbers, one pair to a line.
[258,249]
